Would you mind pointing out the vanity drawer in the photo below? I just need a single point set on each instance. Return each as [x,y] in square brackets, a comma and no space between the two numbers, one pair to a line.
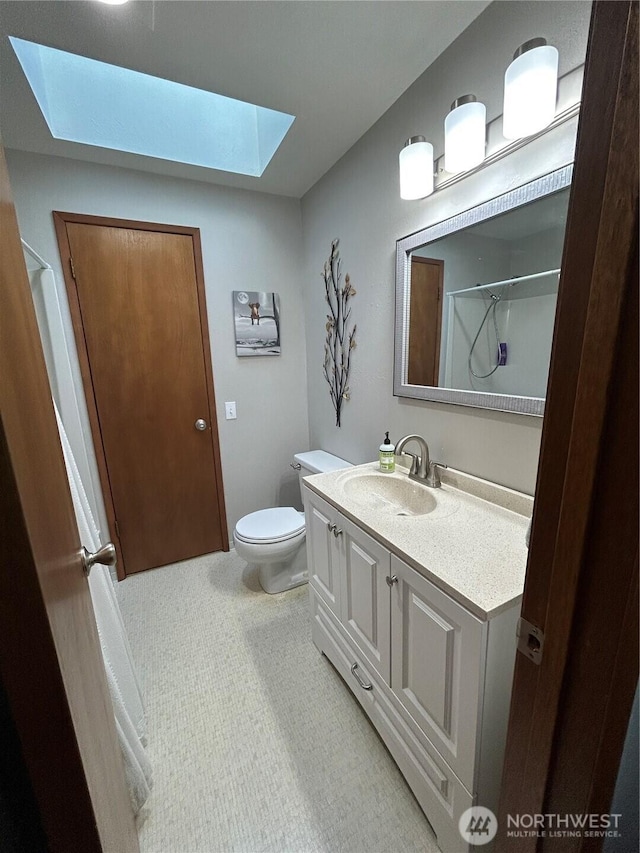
[441,795]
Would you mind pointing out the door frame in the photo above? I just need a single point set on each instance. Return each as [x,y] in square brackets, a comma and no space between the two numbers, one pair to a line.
[60,219]
[569,712]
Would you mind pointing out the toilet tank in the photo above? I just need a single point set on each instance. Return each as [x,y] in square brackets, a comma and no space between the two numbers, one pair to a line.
[318,462]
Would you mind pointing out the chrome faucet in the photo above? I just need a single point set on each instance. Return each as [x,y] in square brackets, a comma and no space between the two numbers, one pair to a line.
[422,469]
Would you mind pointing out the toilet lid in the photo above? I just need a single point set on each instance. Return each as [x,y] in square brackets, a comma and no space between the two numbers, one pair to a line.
[270,525]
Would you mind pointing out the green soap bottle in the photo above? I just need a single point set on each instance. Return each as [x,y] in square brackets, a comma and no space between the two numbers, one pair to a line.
[387,455]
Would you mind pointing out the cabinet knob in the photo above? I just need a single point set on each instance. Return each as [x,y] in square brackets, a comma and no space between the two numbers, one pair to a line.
[336,531]
[391,580]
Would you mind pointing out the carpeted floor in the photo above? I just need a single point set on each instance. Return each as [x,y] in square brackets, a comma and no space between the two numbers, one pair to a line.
[256,742]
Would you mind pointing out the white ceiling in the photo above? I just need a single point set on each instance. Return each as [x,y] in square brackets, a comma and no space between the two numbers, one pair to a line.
[337,65]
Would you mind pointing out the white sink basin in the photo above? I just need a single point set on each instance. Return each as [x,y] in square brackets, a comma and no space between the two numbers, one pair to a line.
[395,494]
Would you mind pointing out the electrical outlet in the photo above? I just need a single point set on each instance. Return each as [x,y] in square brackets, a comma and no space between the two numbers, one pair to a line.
[230,411]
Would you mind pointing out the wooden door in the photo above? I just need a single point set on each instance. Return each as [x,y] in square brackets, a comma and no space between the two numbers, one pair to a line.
[323,550]
[437,651]
[140,322]
[50,658]
[365,596]
[425,321]
[569,712]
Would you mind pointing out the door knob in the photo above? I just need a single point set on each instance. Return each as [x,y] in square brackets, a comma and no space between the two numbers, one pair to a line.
[200,424]
[106,556]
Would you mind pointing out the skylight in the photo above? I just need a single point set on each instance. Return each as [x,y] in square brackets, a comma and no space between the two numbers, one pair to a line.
[83,100]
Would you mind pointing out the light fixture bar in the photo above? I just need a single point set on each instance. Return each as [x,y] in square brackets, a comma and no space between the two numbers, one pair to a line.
[509,148]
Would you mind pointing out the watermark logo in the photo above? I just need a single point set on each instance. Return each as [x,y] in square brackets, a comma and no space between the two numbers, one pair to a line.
[478,825]
[552,825]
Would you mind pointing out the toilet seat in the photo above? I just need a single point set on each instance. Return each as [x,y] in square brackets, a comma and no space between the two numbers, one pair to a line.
[277,524]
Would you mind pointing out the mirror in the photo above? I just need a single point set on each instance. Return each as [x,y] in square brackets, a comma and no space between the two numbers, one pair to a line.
[476,299]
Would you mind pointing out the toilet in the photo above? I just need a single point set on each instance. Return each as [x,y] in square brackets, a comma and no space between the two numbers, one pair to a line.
[273,539]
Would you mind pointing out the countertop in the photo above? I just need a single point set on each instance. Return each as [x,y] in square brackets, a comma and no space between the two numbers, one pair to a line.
[472,546]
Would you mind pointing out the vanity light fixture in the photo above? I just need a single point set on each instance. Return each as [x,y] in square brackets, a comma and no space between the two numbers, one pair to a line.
[114,2]
[530,87]
[464,134]
[416,168]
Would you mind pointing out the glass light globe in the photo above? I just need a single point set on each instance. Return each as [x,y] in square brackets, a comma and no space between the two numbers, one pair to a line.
[464,135]
[530,87]
[416,169]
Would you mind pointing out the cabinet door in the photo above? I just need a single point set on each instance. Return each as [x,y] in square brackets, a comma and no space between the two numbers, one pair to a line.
[323,549]
[436,666]
[365,595]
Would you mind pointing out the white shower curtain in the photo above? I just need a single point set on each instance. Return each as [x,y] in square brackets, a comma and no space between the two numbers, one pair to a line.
[56,352]
[123,683]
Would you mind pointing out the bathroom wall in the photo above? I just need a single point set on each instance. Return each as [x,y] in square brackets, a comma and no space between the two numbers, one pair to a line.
[247,238]
[358,201]
[626,794]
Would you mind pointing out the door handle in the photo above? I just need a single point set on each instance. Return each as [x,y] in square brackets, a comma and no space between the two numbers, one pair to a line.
[106,556]
[200,424]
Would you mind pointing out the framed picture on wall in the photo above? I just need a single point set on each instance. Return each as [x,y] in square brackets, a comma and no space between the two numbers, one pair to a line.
[256,316]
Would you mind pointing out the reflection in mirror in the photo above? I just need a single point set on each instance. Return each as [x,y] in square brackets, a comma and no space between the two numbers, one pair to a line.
[478,303]
[425,320]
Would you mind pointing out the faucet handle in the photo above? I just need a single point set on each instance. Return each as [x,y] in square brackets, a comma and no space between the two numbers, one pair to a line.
[415,462]
[433,475]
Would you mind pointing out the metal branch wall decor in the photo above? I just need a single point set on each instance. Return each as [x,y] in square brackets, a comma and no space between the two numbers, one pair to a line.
[340,342]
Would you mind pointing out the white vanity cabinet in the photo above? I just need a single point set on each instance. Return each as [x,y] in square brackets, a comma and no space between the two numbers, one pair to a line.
[323,551]
[434,678]
[437,662]
[349,571]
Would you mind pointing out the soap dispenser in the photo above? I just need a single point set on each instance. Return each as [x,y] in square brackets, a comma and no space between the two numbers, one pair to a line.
[387,455]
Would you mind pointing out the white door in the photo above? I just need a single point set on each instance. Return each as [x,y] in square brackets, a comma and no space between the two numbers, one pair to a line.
[323,549]
[436,666]
[365,596]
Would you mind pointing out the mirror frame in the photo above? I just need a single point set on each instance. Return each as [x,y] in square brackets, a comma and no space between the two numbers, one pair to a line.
[533,190]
